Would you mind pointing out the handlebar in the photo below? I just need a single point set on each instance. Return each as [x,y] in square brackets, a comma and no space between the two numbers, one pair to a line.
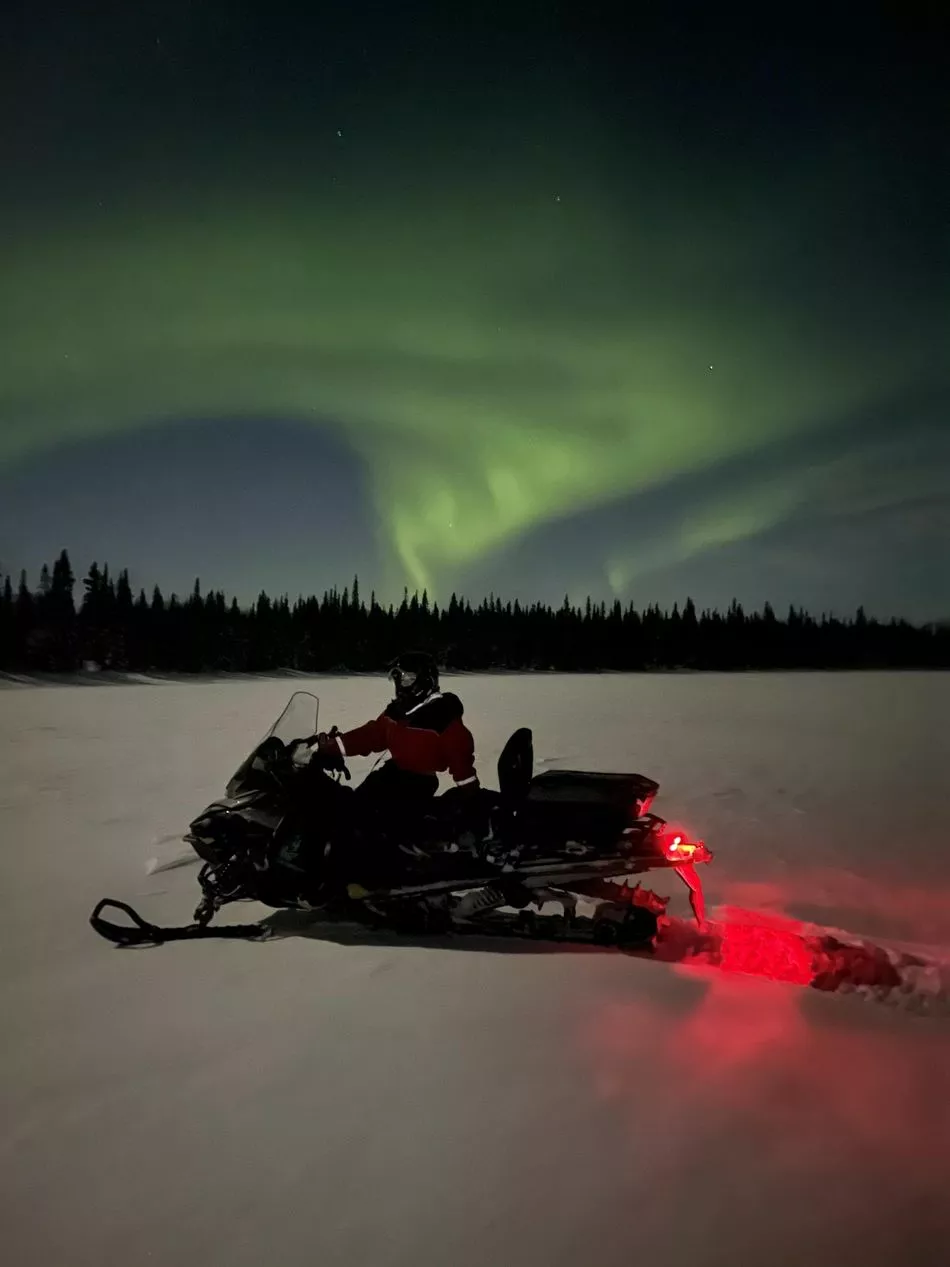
[326,761]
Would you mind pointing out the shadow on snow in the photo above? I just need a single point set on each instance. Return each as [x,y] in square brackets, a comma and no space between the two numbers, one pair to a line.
[741,943]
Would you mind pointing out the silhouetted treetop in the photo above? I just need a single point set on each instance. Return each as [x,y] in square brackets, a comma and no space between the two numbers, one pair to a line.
[42,631]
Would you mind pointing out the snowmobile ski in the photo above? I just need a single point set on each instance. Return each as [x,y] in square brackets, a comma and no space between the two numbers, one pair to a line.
[622,925]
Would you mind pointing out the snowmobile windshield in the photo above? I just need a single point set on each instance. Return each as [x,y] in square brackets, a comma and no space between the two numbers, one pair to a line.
[298,721]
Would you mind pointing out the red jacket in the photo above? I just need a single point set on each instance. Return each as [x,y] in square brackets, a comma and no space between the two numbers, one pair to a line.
[431,737]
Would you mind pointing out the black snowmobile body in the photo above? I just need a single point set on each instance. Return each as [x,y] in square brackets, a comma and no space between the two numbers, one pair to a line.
[282,832]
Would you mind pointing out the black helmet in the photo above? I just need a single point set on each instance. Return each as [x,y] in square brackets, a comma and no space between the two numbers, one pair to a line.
[415,675]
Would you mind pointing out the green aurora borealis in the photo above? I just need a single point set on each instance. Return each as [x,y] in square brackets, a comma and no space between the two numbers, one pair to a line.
[512,313]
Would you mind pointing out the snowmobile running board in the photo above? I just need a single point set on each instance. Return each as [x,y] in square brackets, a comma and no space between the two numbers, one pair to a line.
[555,875]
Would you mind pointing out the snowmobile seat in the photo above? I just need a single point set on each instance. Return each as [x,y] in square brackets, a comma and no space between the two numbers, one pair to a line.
[583,805]
[516,766]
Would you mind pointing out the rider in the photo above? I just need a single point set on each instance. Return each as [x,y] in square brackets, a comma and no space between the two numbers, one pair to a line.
[423,731]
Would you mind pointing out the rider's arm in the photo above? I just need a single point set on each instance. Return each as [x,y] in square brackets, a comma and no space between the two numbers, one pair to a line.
[373,737]
[460,753]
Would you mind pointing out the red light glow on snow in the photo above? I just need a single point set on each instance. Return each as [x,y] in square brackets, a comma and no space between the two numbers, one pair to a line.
[890,909]
[741,943]
[756,945]
[837,1088]
[814,1085]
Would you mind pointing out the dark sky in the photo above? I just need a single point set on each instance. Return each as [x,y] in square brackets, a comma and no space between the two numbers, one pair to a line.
[512,297]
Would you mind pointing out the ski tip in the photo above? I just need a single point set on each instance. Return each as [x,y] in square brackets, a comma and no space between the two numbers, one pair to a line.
[139,932]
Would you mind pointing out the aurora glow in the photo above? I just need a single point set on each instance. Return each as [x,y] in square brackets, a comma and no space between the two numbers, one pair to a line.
[513,310]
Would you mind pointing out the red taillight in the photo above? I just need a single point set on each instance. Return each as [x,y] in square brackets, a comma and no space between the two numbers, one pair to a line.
[679,848]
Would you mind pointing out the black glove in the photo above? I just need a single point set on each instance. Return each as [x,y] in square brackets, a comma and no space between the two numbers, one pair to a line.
[328,752]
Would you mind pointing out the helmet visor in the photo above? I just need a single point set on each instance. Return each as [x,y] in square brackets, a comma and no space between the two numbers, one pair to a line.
[403,679]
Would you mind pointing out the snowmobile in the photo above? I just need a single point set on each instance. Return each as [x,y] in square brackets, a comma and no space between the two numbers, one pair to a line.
[288,827]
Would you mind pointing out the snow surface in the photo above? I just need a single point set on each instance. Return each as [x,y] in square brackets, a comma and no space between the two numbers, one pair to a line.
[303,1101]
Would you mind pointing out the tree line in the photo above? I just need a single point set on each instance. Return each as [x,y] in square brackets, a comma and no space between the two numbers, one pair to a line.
[42,629]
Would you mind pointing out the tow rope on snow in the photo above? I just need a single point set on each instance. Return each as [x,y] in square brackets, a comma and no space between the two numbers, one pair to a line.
[142,933]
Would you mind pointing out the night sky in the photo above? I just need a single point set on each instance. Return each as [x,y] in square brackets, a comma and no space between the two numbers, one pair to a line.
[480,297]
